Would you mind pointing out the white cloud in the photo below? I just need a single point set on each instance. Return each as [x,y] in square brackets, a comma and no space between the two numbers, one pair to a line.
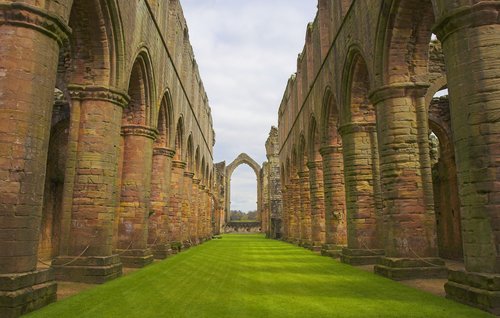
[246,51]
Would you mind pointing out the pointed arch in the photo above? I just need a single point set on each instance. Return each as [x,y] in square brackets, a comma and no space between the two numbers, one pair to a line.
[179,140]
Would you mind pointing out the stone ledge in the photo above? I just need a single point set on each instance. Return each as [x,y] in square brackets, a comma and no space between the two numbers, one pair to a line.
[480,290]
[360,257]
[135,258]
[90,270]
[18,301]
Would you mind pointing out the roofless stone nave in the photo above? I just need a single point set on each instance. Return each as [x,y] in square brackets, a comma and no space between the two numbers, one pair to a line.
[106,143]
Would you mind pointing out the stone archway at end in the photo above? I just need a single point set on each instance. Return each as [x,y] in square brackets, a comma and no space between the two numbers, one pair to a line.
[242,159]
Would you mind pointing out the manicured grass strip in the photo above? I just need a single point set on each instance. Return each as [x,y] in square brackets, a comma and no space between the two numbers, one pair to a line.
[250,276]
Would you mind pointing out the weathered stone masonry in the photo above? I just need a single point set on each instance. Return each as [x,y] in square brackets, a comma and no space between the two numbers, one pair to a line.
[105,143]
[362,100]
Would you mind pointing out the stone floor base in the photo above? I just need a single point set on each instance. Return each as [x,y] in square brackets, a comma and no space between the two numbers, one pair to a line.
[90,269]
[411,268]
[161,251]
[24,292]
[135,258]
[480,290]
[305,244]
[360,257]
[332,250]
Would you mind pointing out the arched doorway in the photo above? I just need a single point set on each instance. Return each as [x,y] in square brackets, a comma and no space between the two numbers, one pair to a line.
[242,159]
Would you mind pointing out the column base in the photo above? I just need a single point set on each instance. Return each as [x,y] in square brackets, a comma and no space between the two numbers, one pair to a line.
[332,250]
[161,251]
[479,290]
[176,247]
[90,270]
[136,258]
[25,292]
[360,256]
[411,268]
[306,244]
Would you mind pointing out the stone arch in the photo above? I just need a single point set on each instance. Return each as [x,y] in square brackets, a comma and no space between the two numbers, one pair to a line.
[179,140]
[404,33]
[241,159]
[360,157]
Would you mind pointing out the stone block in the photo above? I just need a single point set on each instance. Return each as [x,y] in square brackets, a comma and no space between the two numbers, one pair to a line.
[410,268]
[25,292]
[360,256]
[481,290]
[90,270]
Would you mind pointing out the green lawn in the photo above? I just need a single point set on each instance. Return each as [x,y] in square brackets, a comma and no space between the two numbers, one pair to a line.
[250,276]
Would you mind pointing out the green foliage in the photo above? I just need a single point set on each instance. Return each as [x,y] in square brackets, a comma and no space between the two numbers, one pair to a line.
[243,216]
[250,276]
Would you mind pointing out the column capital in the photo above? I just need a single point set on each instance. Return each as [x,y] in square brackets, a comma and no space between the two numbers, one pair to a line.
[328,150]
[178,164]
[162,151]
[303,174]
[398,90]
[101,93]
[315,164]
[356,127]
[479,14]
[139,130]
[27,16]
[201,186]
[196,181]
[188,174]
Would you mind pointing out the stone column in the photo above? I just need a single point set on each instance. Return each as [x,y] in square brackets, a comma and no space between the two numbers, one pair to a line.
[197,215]
[305,208]
[317,204]
[208,213]
[158,238]
[29,50]
[471,39]
[363,246]
[286,212]
[294,210]
[187,212]
[134,207]
[175,204]
[335,207]
[90,193]
[409,221]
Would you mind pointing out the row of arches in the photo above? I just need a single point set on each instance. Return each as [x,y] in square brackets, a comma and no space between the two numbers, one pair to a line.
[114,143]
[370,161]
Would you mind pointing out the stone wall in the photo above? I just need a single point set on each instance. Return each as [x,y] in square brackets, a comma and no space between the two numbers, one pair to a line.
[106,143]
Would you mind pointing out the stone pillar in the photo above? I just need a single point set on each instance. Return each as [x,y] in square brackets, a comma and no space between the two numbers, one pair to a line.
[335,207]
[471,39]
[286,212]
[363,246]
[208,213]
[160,192]
[197,215]
[187,213]
[409,221]
[305,208]
[30,40]
[134,207]
[317,204]
[175,204]
[294,210]
[89,201]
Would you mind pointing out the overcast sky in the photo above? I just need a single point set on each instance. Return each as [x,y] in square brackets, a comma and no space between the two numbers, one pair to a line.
[246,50]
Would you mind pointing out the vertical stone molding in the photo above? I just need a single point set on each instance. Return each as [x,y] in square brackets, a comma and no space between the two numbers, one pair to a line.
[28,35]
[317,204]
[197,213]
[175,203]
[408,218]
[471,37]
[158,239]
[335,207]
[295,210]
[305,208]
[286,211]
[188,233]
[134,209]
[363,246]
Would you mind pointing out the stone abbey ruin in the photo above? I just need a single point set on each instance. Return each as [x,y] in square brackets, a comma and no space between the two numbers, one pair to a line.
[106,144]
